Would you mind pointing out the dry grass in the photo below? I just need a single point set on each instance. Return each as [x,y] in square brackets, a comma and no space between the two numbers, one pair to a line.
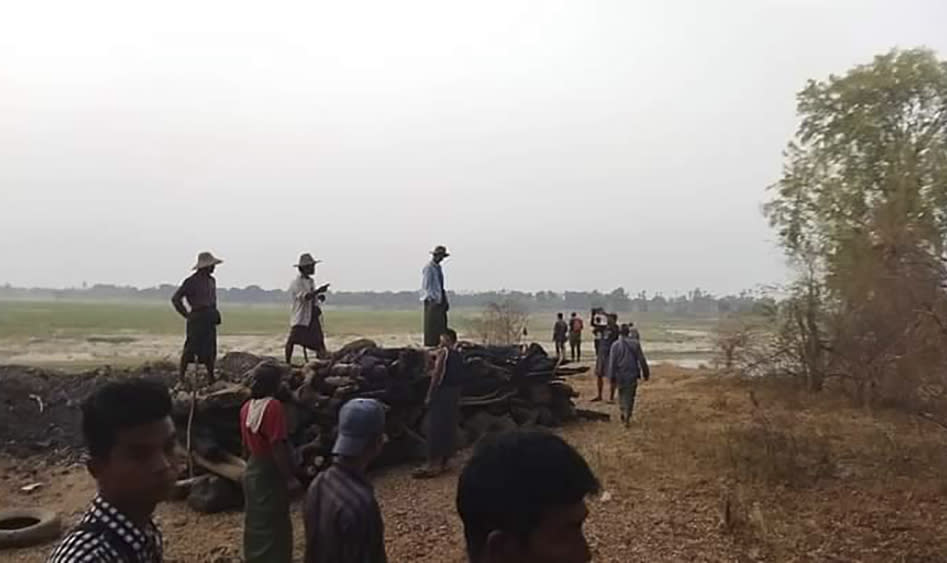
[706,473]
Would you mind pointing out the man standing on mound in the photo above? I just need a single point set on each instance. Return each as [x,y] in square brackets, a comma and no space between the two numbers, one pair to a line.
[306,322]
[434,297]
[200,291]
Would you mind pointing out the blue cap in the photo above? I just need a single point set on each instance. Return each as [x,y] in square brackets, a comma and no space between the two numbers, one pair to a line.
[361,422]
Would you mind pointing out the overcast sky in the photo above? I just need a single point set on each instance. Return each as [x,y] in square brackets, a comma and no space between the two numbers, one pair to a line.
[550,145]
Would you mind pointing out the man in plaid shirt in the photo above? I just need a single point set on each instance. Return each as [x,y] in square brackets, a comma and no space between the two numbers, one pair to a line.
[131,441]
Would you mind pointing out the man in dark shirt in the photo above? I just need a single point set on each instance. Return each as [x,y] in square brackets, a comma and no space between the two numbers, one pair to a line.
[443,406]
[200,291]
[575,336]
[560,332]
[131,441]
[608,335]
[342,518]
[522,500]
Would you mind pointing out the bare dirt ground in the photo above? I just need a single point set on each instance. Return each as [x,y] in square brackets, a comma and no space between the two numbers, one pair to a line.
[704,474]
[130,348]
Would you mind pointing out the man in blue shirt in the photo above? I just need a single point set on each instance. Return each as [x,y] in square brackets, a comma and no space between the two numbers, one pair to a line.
[626,363]
[434,297]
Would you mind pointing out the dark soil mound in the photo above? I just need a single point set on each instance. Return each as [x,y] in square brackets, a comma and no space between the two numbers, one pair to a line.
[39,409]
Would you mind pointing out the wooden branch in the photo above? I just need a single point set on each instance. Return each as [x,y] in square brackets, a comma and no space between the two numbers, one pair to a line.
[231,468]
[930,418]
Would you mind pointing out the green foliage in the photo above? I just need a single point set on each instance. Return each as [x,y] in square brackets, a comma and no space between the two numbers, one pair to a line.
[862,209]
[869,163]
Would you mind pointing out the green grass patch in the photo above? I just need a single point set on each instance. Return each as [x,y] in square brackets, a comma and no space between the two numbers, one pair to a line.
[95,321]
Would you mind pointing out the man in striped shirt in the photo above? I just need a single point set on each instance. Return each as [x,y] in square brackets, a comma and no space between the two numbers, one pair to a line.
[130,436]
[342,518]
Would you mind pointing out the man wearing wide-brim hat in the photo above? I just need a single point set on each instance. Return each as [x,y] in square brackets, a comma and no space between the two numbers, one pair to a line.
[434,297]
[200,291]
[306,319]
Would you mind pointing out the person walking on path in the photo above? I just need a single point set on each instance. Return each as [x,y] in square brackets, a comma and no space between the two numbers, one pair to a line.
[131,443]
[270,480]
[522,499]
[609,335]
[443,402]
[434,297]
[560,332]
[200,291]
[575,336]
[626,363]
[306,319]
[342,518]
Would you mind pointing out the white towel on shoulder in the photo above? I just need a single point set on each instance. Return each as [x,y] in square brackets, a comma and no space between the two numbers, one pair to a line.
[255,413]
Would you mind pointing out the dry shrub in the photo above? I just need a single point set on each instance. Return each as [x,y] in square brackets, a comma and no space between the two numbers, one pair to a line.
[775,449]
[501,324]
[742,515]
[720,402]
[731,338]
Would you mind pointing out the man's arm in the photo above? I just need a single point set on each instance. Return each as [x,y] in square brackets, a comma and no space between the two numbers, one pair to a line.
[427,282]
[283,459]
[274,428]
[643,363]
[177,300]
[612,361]
[440,366]
[300,291]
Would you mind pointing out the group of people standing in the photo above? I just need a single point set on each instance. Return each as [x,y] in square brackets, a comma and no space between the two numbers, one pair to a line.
[196,301]
[571,332]
[521,496]
[618,355]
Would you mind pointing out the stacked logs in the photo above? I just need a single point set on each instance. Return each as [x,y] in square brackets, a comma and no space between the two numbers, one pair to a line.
[505,387]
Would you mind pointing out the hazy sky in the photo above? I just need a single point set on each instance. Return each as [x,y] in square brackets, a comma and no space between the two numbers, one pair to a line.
[549,144]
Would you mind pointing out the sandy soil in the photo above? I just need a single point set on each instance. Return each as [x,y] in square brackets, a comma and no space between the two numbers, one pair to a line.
[671,479]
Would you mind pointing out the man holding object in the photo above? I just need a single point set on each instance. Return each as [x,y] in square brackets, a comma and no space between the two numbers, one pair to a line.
[306,322]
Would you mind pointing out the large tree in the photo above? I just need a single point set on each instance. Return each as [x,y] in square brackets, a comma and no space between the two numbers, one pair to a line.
[862,209]
[869,162]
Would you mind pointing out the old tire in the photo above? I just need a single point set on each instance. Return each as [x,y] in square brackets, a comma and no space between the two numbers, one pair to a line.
[21,527]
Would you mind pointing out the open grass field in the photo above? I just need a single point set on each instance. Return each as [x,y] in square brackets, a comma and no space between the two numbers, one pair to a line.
[86,334]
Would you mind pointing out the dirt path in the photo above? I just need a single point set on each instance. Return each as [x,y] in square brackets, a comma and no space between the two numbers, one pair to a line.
[669,478]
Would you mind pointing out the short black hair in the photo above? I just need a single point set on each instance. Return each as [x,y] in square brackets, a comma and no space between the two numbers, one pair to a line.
[121,404]
[265,379]
[625,330]
[559,315]
[452,334]
[513,478]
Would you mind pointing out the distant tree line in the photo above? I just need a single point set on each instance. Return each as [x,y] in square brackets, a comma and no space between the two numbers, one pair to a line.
[618,300]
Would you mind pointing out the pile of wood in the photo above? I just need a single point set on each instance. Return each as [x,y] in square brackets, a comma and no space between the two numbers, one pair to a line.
[505,387]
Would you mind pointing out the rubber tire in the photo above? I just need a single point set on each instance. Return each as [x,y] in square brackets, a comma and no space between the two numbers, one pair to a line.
[48,527]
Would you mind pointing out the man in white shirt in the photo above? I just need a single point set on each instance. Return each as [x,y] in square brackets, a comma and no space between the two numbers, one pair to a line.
[305,322]
[434,297]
